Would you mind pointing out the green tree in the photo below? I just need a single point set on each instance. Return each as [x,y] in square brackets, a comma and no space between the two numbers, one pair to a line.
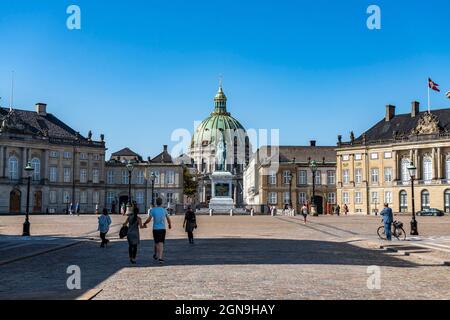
[189,184]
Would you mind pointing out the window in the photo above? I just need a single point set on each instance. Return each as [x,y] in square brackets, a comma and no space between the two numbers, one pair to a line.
[388,197]
[125,177]
[286,197]
[374,176]
[302,177]
[83,197]
[52,197]
[140,177]
[110,196]
[53,174]
[110,177]
[358,175]
[345,157]
[302,198]
[54,154]
[405,172]
[374,156]
[272,198]
[169,198]
[170,177]
[96,197]
[447,169]
[388,175]
[273,178]
[358,197]
[96,157]
[425,196]
[332,198]
[318,176]
[140,197]
[83,156]
[345,197]
[66,197]
[287,177]
[83,175]
[13,168]
[95,175]
[358,156]
[388,155]
[346,176]
[403,201]
[67,155]
[156,174]
[36,164]
[67,174]
[331,178]
[427,169]
[375,199]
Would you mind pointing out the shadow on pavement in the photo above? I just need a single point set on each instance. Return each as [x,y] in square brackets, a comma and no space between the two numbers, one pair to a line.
[45,276]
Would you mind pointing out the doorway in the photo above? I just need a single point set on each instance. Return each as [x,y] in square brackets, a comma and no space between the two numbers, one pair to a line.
[318,201]
[14,201]
[37,203]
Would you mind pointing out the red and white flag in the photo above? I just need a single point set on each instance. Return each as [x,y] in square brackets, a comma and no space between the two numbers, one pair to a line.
[433,85]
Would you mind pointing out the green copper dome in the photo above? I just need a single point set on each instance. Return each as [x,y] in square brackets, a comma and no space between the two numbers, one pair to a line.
[219,121]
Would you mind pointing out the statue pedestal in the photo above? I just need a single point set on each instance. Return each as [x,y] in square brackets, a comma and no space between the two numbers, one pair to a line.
[221,201]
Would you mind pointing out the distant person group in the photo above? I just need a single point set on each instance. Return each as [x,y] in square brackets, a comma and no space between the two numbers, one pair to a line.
[133,223]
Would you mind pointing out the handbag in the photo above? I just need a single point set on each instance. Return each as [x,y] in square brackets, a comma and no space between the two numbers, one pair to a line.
[123,232]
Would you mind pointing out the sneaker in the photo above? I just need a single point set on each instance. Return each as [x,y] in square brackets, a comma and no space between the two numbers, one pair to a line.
[161,261]
[155,257]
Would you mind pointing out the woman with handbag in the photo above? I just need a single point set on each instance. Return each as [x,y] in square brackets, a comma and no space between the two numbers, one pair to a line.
[134,223]
[190,223]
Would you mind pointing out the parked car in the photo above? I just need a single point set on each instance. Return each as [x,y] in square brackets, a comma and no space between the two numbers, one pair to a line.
[431,212]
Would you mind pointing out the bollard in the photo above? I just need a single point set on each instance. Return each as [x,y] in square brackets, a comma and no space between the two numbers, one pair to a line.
[231,212]
[252,212]
[210,212]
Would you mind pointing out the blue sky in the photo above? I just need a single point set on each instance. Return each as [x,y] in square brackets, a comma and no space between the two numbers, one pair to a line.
[137,70]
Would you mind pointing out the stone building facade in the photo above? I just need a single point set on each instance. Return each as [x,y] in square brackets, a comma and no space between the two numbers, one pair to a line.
[267,183]
[372,169]
[168,183]
[68,168]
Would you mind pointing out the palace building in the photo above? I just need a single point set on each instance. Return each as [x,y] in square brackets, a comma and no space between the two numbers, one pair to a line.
[282,176]
[373,168]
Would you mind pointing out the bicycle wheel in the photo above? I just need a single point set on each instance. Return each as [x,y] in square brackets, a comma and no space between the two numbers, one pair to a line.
[381,233]
[400,234]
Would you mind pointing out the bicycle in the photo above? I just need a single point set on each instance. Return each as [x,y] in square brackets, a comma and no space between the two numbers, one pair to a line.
[398,231]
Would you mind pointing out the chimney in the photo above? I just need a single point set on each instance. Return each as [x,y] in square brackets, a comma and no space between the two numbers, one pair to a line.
[165,148]
[312,143]
[390,112]
[41,109]
[415,109]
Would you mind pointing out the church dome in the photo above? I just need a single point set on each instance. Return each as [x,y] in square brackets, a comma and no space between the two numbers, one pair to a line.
[209,130]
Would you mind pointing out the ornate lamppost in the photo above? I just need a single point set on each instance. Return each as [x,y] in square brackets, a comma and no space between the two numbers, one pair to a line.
[290,189]
[152,179]
[26,225]
[313,167]
[412,173]
[130,167]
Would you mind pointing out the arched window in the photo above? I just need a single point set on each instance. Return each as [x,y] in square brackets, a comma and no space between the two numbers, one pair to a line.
[13,168]
[447,200]
[425,196]
[403,201]
[36,164]
[405,172]
[427,169]
[447,169]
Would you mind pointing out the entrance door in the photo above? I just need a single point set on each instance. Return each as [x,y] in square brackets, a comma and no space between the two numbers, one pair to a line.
[318,201]
[447,201]
[14,201]
[123,200]
[37,203]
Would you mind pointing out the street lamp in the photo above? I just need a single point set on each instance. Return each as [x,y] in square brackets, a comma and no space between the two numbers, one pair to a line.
[290,188]
[313,167]
[26,225]
[412,173]
[130,167]
[152,179]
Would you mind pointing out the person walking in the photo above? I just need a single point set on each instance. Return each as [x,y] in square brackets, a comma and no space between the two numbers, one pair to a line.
[134,223]
[304,211]
[338,210]
[388,219]
[77,208]
[104,221]
[190,223]
[159,216]
[346,209]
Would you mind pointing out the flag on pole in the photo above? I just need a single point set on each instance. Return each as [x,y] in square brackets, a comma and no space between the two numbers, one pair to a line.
[433,85]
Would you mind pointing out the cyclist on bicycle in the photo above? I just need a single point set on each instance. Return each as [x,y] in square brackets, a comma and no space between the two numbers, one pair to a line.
[388,219]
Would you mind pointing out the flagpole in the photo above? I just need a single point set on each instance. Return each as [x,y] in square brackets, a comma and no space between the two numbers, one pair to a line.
[429,102]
